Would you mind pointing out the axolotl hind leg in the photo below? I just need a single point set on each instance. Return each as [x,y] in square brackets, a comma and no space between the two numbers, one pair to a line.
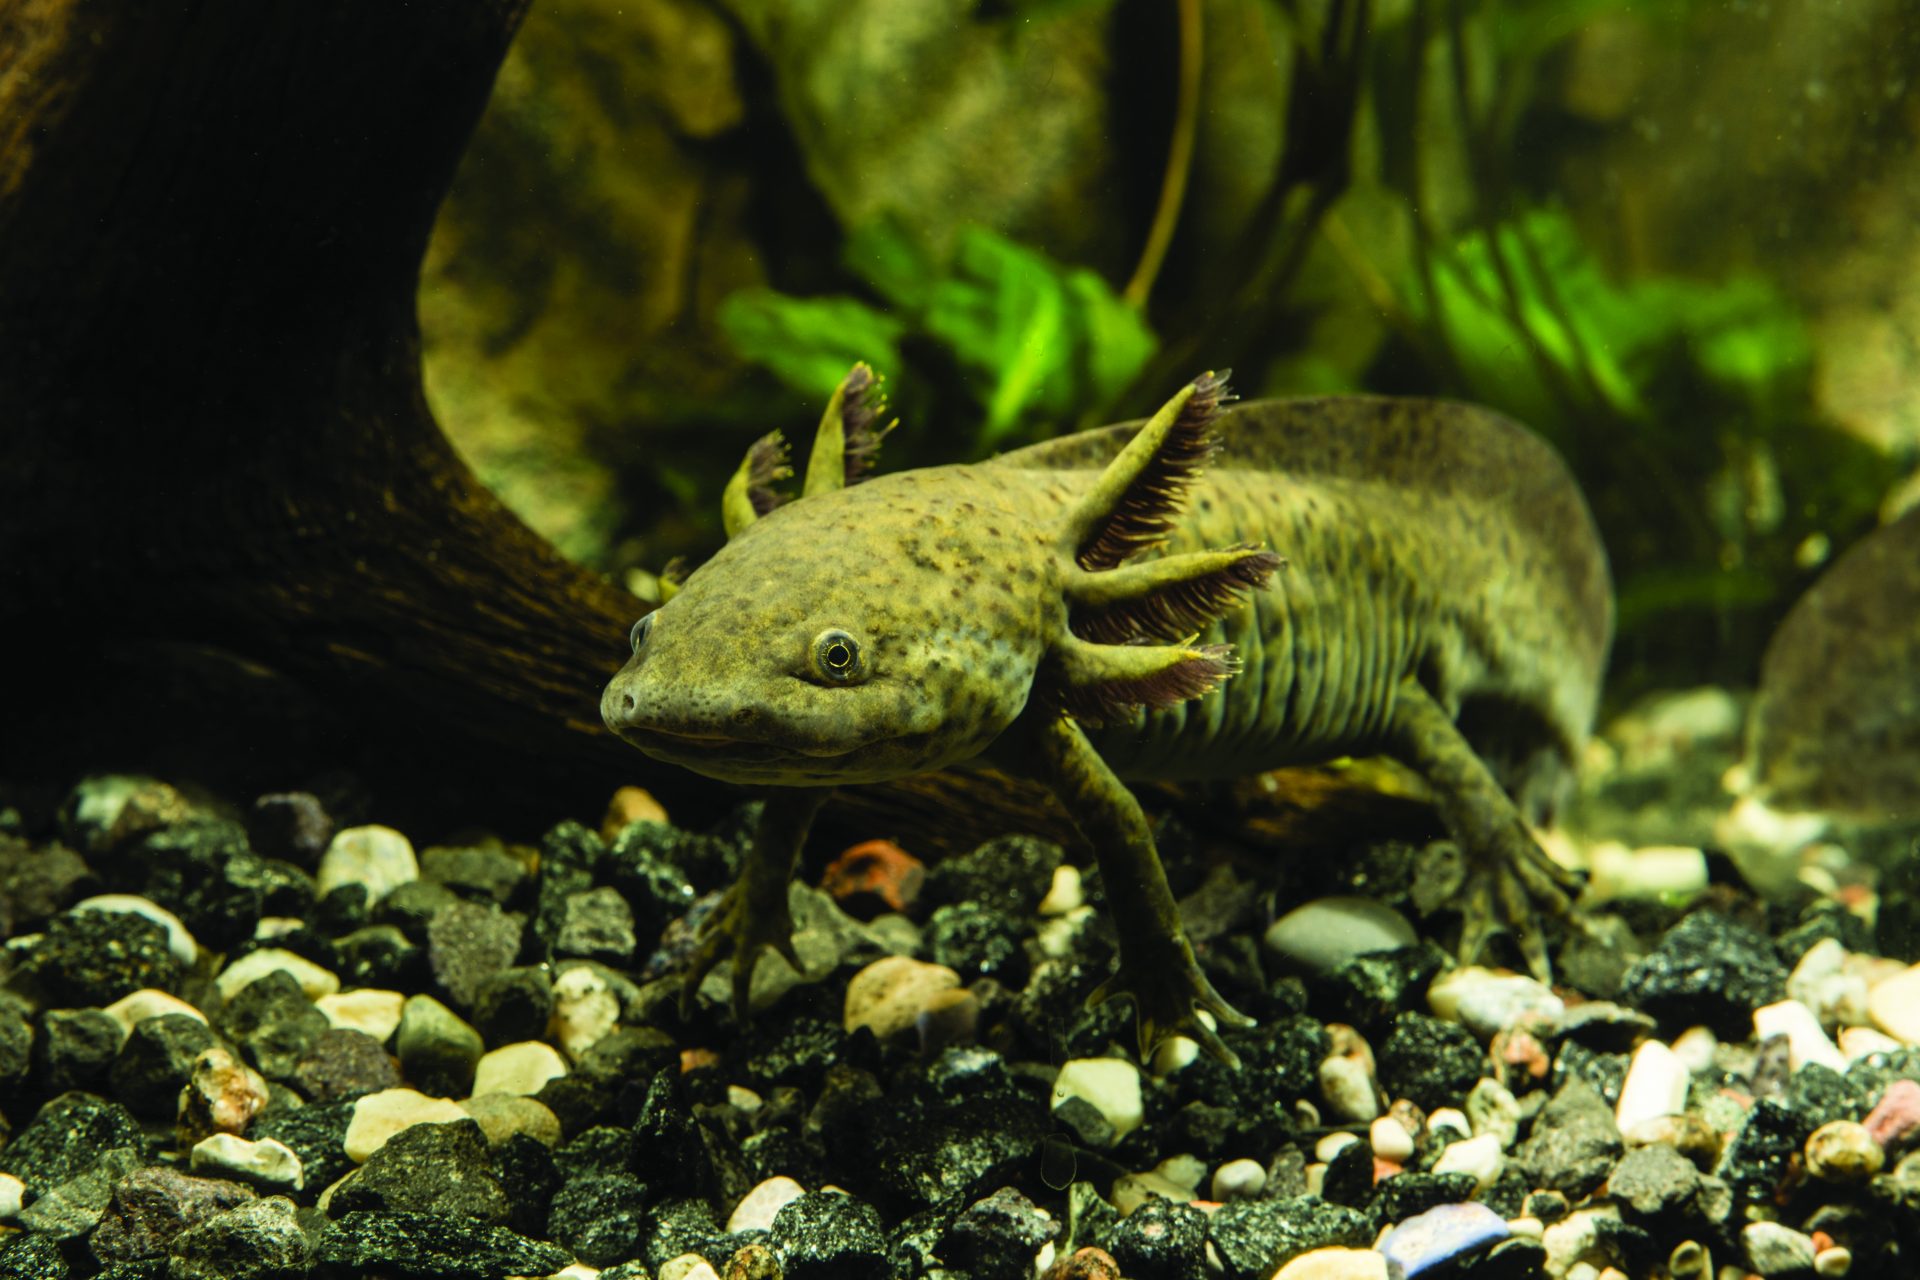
[1510,879]
[1157,970]
[753,915]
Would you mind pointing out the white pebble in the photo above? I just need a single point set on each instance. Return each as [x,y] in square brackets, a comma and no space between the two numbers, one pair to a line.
[1696,1047]
[1527,1228]
[1319,936]
[378,1116]
[1131,1190]
[179,941]
[521,1069]
[135,1008]
[1617,872]
[375,1012]
[1656,1085]
[1487,1003]
[1774,1249]
[1449,1118]
[12,1192]
[1894,1003]
[1347,1088]
[1834,1261]
[1333,1144]
[1570,1238]
[688,1266]
[1826,983]
[757,1208]
[1112,1085]
[267,1161]
[1806,1042]
[1390,1140]
[1186,1171]
[271,927]
[1241,1179]
[1333,1262]
[1480,1157]
[1065,893]
[242,973]
[585,1010]
[378,857]
[1860,1042]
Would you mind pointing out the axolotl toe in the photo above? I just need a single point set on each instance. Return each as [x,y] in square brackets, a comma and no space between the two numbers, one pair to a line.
[1217,591]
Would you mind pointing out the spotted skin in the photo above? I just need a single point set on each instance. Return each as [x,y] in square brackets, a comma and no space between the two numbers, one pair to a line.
[1443,599]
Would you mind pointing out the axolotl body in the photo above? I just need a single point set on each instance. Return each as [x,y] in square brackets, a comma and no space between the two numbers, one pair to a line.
[1218,591]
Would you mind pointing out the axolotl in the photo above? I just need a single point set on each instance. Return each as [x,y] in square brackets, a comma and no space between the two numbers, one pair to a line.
[1223,589]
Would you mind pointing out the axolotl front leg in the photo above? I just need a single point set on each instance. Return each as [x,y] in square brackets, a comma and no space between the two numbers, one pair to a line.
[1157,970]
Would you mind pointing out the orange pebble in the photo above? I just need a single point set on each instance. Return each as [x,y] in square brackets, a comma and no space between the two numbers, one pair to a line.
[874,876]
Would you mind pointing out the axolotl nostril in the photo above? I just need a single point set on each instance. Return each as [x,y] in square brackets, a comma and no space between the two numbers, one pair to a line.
[1217,591]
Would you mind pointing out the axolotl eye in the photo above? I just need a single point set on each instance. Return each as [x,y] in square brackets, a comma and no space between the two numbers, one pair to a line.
[835,656]
[638,636]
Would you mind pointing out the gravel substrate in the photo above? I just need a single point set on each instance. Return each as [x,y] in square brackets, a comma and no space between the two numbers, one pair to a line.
[247,1044]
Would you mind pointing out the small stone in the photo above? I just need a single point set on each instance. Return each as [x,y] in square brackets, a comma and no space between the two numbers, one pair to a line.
[1429,1242]
[874,876]
[1894,1121]
[431,1244]
[345,1064]
[1487,1002]
[1086,1263]
[316,1133]
[1479,1158]
[13,1194]
[522,1069]
[223,1095]
[378,1116]
[1806,1039]
[136,1007]
[293,825]
[65,1137]
[1347,1087]
[502,1115]
[1655,1085]
[179,941]
[428,1168]
[275,1022]
[1894,1004]
[152,1206]
[266,1164]
[888,996]
[1617,872]
[827,1235]
[601,1217]
[514,1004]
[585,1010]
[1776,1250]
[757,1209]
[1111,1085]
[438,1050]
[244,972]
[1319,936]
[1574,1141]
[467,943]
[688,1266]
[1336,1264]
[1687,1133]
[1707,969]
[78,1048]
[1390,1140]
[92,958]
[1160,1240]
[1653,1180]
[485,871]
[596,924]
[1432,1062]
[1834,1261]
[156,1061]
[1843,1151]
[259,1240]
[1009,873]
[1241,1179]
[998,1238]
[379,859]
[368,1010]
[629,804]
[1066,894]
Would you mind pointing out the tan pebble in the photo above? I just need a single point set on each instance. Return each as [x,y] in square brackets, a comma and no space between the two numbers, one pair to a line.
[1894,1003]
[131,1010]
[1843,1151]
[888,995]
[1335,1264]
[688,1266]
[1836,1261]
[314,981]
[378,1116]
[1390,1140]
[1332,1145]
[223,1095]
[1527,1228]
[179,941]
[1347,1087]
[758,1207]
[523,1069]
[1065,893]
[1086,1263]
[628,805]
[378,858]
[1687,1133]
[370,1010]
[501,1115]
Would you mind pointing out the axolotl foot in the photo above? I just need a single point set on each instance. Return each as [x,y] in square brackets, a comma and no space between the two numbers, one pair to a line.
[1169,993]
[739,930]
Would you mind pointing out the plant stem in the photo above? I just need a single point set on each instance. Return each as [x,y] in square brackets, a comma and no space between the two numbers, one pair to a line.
[1173,186]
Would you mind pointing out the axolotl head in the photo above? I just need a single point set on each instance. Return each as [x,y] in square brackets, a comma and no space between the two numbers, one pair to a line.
[857,635]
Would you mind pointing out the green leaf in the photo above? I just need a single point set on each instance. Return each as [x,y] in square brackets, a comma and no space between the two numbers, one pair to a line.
[810,343]
[885,254]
